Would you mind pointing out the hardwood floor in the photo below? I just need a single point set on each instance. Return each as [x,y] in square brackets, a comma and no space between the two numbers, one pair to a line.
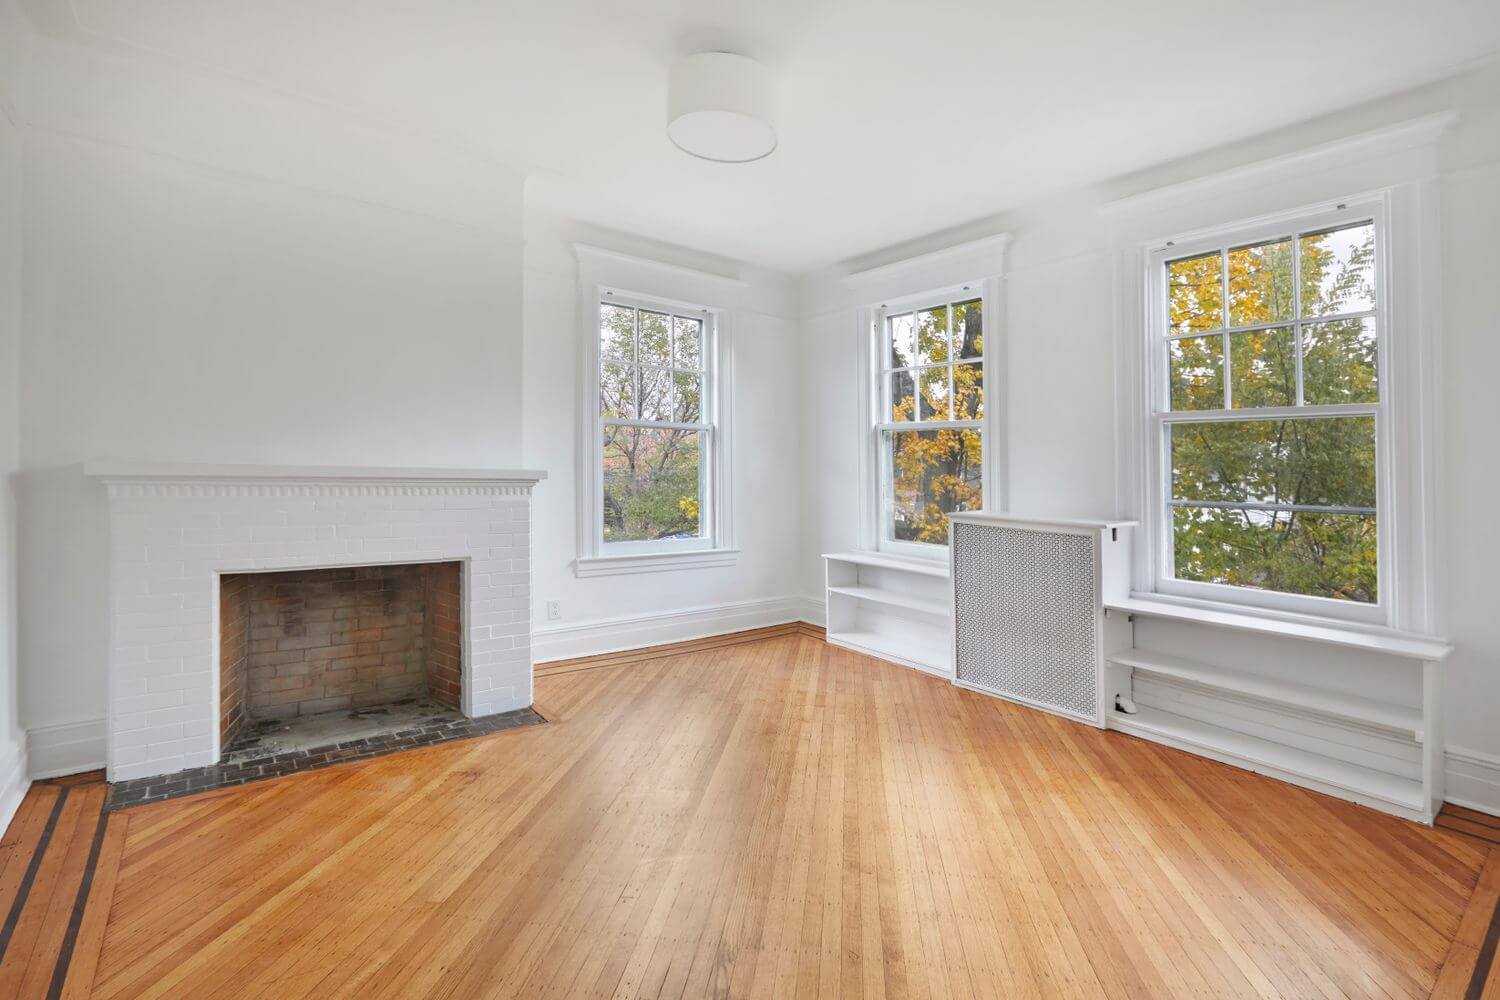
[773,818]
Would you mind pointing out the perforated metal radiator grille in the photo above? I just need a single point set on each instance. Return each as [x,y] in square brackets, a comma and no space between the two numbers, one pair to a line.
[1024,615]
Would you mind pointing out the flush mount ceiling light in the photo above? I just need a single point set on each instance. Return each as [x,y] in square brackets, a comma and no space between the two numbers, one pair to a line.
[721,107]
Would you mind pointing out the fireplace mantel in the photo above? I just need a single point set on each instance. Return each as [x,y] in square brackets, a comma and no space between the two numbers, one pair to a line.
[123,471]
[176,529]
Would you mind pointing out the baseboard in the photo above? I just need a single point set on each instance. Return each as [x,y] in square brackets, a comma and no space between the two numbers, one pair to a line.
[73,747]
[14,779]
[613,635]
[813,611]
[1472,780]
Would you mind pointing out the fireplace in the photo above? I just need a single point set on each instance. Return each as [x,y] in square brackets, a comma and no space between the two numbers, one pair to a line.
[301,649]
[245,597]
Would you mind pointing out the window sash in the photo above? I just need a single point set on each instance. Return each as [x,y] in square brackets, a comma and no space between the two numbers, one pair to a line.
[884,426]
[1160,336]
[707,428]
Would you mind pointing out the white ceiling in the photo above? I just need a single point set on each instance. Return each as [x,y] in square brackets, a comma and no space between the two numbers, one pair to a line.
[897,118]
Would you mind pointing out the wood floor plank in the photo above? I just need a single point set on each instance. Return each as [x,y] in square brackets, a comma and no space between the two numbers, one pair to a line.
[40,906]
[764,816]
[79,968]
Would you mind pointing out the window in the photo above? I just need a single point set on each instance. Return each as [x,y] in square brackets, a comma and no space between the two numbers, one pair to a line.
[655,427]
[1268,415]
[930,418]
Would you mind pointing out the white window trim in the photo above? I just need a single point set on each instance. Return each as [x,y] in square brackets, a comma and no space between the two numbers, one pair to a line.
[1405,443]
[717,547]
[873,424]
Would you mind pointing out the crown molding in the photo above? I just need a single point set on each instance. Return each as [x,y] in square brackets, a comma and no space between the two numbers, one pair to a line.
[588,253]
[995,245]
[1411,134]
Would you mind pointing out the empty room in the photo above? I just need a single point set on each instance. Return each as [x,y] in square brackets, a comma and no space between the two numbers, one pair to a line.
[835,499]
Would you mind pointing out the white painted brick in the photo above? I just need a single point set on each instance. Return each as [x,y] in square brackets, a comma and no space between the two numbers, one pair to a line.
[146,737]
[147,703]
[169,549]
[167,716]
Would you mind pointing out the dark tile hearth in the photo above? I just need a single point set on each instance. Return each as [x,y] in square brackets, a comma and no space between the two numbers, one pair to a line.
[243,765]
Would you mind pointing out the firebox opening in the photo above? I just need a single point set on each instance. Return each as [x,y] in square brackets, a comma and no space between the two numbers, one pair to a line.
[317,657]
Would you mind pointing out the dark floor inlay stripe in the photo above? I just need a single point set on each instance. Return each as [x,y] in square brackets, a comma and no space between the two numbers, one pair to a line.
[1471,816]
[158,788]
[1486,958]
[24,889]
[75,922]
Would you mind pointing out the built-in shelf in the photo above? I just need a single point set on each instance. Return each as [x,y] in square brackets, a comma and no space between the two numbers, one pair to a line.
[1278,760]
[1302,697]
[891,607]
[1368,638]
[922,567]
[896,599]
[909,650]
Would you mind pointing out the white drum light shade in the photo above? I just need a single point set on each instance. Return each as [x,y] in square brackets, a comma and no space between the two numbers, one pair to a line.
[721,107]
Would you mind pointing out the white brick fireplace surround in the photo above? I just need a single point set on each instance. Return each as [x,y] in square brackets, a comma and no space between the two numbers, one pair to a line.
[174,529]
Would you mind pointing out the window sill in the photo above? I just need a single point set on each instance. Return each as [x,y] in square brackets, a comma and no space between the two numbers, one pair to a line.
[1335,632]
[654,562]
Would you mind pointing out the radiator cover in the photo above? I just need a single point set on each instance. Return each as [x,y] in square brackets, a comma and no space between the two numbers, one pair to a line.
[1026,616]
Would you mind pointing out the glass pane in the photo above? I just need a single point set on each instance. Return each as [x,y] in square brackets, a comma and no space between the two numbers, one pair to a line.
[1260,284]
[686,393]
[1195,294]
[651,483]
[687,343]
[933,474]
[1338,271]
[1294,552]
[934,384]
[616,332]
[1197,373]
[968,392]
[932,336]
[1326,462]
[617,390]
[968,329]
[903,340]
[1338,362]
[656,339]
[1263,368]
[656,394]
[903,397]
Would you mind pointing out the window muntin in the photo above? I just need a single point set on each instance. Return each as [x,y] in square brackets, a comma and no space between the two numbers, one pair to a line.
[655,426]
[930,423]
[1271,415]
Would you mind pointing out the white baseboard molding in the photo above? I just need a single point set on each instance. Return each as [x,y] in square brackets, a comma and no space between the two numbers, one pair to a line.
[70,748]
[14,779]
[613,635]
[813,611]
[1472,780]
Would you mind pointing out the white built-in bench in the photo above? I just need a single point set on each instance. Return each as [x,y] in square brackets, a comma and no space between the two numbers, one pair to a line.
[1416,796]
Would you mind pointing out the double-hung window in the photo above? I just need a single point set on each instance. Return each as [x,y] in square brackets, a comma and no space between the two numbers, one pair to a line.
[1269,422]
[656,427]
[930,418]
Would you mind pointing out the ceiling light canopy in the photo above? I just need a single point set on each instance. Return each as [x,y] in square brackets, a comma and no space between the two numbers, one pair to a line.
[721,107]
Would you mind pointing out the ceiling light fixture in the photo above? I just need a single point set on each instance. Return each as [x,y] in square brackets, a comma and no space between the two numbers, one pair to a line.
[721,107]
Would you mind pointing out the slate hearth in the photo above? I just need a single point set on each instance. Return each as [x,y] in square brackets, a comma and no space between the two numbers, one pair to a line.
[259,755]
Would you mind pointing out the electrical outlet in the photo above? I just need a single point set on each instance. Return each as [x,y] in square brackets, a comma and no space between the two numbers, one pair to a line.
[554,610]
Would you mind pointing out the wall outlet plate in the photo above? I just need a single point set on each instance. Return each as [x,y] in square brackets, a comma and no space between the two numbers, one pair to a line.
[554,610]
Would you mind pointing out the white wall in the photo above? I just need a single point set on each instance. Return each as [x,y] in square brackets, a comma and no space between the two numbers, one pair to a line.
[613,612]
[1063,313]
[212,276]
[12,744]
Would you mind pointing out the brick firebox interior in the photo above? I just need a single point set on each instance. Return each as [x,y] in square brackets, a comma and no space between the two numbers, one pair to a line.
[302,642]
